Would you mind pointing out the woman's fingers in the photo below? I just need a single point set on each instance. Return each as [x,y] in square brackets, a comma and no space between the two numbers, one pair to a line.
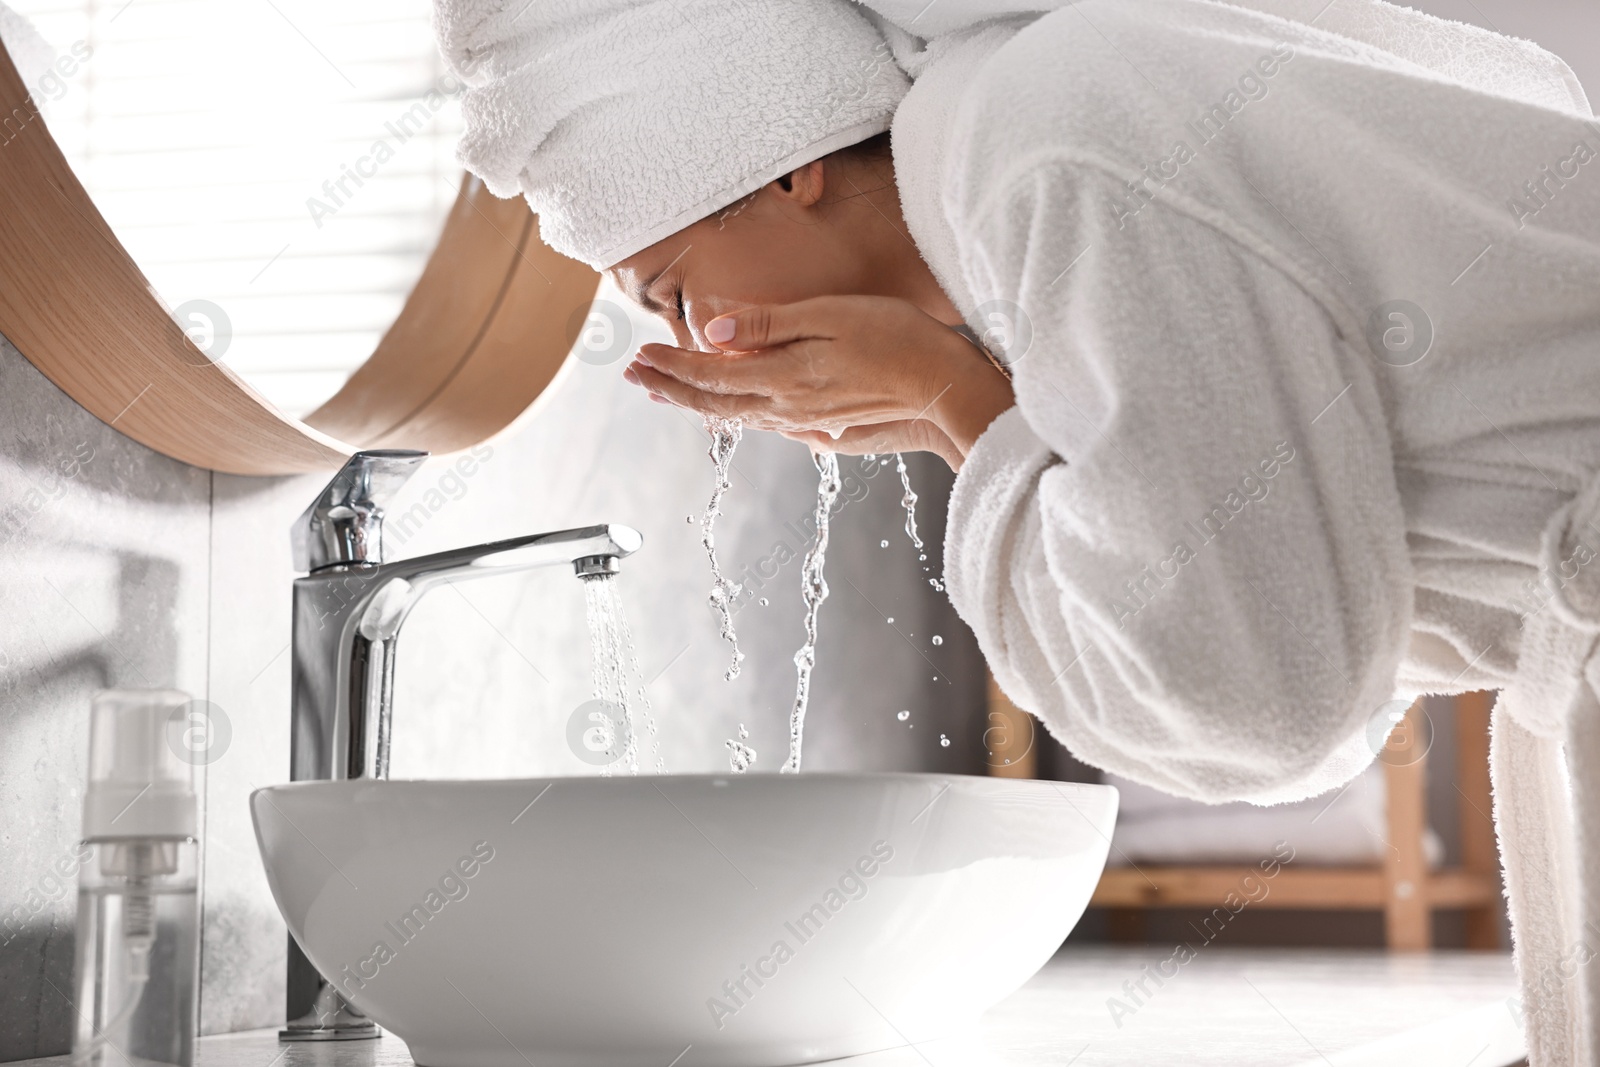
[725,405]
[766,325]
[712,372]
[905,435]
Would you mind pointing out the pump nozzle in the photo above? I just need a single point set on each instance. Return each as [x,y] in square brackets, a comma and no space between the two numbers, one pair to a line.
[139,784]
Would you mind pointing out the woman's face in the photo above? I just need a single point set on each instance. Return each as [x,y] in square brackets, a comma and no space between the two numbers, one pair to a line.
[783,245]
[758,256]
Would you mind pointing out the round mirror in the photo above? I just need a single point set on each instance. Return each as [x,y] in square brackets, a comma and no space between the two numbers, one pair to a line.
[237,233]
[280,171]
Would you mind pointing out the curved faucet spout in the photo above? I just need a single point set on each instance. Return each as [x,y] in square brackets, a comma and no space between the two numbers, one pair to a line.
[347,619]
[520,553]
[396,587]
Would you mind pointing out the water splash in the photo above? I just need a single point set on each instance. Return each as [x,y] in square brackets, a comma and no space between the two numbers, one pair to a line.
[740,755]
[908,500]
[615,670]
[725,434]
[814,590]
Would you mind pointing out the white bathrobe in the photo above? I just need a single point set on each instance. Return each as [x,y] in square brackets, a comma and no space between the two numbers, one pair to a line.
[1308,412]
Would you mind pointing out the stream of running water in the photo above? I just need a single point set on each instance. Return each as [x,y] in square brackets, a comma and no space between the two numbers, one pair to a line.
[616,677]
[813,590]
[725,435]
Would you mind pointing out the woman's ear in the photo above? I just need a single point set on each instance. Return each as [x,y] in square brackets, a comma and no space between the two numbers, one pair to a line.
[802,186]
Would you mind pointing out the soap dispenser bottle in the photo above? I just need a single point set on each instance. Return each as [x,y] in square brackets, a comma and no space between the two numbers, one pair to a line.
[138,928]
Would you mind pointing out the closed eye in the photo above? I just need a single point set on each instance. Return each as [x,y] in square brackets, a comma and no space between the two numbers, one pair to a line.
[678,298]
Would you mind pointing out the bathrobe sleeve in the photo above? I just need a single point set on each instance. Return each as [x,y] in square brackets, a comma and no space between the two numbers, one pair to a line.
[1183,549]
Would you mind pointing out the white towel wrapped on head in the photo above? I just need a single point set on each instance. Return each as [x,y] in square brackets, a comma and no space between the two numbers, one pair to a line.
[623,121]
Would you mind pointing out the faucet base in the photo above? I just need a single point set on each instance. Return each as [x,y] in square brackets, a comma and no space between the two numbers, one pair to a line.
[367,1031]
[331,1019]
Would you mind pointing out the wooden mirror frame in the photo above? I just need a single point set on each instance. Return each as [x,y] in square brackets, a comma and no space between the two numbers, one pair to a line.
[483,333]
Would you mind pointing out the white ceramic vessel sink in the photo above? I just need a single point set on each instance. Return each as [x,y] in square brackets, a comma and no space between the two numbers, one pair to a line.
[611,922]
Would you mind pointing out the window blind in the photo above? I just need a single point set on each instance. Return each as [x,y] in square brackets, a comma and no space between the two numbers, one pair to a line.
[280,169]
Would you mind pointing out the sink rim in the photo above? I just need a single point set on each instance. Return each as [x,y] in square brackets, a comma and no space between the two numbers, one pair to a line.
[994,781]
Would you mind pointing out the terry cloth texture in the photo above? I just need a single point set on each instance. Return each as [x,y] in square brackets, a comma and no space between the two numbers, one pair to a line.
[623,121]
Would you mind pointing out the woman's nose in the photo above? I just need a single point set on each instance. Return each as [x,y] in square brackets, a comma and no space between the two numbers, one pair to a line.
[682,335]
[693,324]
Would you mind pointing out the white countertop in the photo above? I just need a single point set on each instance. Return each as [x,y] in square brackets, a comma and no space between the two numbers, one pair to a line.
[1232,1007]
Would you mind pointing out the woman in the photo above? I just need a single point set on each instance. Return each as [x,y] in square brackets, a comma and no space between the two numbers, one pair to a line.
[1298,310]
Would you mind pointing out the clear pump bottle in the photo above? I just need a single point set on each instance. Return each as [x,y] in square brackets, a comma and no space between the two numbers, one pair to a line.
[138,923]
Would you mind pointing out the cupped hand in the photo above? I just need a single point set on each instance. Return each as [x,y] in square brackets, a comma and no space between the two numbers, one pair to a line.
[841,373]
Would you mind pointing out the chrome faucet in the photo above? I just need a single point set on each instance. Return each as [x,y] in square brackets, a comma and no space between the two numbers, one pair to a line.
[348,611]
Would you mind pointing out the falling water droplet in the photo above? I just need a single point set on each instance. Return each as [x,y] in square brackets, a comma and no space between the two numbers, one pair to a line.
[891,620]
[938,640]
[944,742]
[908,501]
[903,716]
[883,544]
[922,558]
[689,519]
[740,755]
[762,602]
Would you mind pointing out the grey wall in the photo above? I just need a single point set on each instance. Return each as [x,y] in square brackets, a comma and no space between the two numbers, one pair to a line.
[103,559]
[121,567]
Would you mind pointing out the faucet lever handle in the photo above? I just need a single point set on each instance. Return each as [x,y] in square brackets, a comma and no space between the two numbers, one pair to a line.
[344,524]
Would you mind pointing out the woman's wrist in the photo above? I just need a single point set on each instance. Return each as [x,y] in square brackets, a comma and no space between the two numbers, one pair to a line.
[945,449]
[975,395]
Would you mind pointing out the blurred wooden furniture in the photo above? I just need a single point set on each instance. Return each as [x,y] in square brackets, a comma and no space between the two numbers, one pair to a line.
[1403,887]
